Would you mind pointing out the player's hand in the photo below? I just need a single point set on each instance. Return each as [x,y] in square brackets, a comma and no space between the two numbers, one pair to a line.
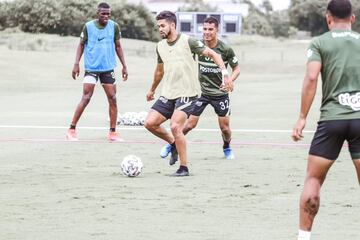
[124,74]
[150,96]
[76,71]
[228,85]
[297,134]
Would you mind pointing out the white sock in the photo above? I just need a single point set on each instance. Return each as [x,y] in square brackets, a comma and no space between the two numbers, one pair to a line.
[304,235]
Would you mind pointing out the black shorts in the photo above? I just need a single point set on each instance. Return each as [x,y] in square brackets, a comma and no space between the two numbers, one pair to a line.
[166,107]
[221,105]
[330,136]
[104,77]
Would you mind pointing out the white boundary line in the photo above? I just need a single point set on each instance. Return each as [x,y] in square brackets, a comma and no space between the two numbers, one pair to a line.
[140,128]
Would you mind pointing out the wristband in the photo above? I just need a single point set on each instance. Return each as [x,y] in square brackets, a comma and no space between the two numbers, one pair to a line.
[224,72]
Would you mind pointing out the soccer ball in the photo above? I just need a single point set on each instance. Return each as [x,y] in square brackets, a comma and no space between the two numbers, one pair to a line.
[131,166]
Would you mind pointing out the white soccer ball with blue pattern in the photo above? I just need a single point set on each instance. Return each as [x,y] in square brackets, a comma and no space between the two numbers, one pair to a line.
[132,166]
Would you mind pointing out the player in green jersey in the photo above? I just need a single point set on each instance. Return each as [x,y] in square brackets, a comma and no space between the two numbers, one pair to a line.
[211,86]
[336,54]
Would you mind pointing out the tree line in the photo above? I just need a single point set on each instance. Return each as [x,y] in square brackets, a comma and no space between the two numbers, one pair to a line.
[67,17]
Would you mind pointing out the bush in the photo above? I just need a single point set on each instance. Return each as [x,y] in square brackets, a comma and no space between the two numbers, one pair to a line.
[135,21]
[67,17]
[256,23]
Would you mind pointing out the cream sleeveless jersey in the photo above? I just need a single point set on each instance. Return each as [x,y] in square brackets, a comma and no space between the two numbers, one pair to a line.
[339,53]
[180,67]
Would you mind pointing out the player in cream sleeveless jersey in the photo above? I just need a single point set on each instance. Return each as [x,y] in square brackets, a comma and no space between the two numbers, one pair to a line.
[177,69]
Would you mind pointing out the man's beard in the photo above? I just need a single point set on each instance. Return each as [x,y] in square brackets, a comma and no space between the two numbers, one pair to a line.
[165,35]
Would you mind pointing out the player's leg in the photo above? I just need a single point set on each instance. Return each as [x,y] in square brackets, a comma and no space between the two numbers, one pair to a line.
[160,112]
[357,167]
[183,108]
[224,124]
[221,106]
[108,83]
[354,144]
[310,198]
[191,123]
[153,123]
[88,90]
[197,109]
[324,150]
[178,121]
[110,91]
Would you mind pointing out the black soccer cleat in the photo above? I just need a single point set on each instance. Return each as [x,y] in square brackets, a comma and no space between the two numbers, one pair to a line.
[181,172]
[174,156]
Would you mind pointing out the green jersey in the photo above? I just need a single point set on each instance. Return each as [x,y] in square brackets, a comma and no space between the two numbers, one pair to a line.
[84,33]
[210,74]
[339,54]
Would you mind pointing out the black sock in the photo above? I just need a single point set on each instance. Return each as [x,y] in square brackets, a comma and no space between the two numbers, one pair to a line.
[72,126]
[112,129]
[183,168]
[226,144]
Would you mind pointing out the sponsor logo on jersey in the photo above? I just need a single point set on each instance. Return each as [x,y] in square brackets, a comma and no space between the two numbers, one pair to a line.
[310,53]
[352,101]
[345,34]
[204,69]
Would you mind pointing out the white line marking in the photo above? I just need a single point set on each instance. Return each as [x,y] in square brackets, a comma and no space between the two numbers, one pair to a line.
[140,128]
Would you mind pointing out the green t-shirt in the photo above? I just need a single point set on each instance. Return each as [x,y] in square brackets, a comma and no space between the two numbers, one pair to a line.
[339,53]
[210,74]
[84,33]
[196,47]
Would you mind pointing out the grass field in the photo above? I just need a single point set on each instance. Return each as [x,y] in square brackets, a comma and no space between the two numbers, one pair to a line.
[53,189]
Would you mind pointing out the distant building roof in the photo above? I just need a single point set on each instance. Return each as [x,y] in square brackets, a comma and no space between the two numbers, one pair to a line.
[227,6]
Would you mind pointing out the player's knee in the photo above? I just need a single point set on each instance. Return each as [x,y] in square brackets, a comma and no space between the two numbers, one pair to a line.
[225,130]
[149,125]
[190,125]
[310,203]
[112,99]
[175,128]
[86,98]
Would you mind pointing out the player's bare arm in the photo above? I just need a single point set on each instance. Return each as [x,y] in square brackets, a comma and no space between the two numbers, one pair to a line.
[79,52]
[158,75]
[120,54]
[307,97]
[235,73]
[228,84]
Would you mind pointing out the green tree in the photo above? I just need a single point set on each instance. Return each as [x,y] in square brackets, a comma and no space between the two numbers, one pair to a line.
[257,23]
[309,15]
[280,23]
[267,6]
[135,21]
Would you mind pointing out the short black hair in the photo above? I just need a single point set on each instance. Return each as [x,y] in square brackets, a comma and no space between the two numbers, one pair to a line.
[341,9]
[103,5]
[168,16]
[212,20]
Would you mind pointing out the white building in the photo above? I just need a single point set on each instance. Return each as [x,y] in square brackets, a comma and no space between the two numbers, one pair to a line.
[224,6]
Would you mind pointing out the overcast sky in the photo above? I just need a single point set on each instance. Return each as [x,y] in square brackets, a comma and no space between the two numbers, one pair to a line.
[277,4]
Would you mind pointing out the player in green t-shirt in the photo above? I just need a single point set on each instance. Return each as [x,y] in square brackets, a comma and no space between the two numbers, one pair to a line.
[336,54]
